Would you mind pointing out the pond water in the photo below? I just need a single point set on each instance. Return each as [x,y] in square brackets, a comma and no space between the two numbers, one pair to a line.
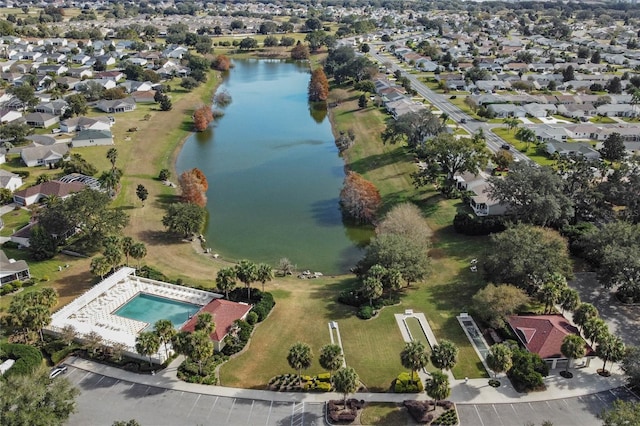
[274,173]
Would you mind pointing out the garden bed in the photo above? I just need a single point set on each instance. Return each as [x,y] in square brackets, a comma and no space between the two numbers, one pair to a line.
[434,413]
[338,413]
[291,383]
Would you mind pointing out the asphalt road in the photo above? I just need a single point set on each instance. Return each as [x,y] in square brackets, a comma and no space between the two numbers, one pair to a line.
[104,400]
[494,142]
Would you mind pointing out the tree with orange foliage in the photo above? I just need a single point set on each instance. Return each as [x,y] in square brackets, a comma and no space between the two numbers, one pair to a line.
[202,117]
[300,51]
[194,185]
[318,86]
[359,198]
[221,63]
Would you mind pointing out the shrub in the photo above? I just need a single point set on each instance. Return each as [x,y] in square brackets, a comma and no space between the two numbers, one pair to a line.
[322,386]
[151,273]
[351,298]
[10,245]
[58,356]
[29,282]
[365,312]
[527,371]
[6,289]
[324,377]
[27,357]
[403,384]
[252,318]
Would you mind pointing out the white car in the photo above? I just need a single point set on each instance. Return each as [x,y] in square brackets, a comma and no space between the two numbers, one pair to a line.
[61,369]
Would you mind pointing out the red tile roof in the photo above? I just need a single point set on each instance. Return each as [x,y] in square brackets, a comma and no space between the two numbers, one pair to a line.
[224,313]
[543,334]
[53,187]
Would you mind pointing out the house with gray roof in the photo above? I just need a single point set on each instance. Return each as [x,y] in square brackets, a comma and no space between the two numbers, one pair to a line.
[12,270]
[43,155]
[92,138]
[571,149]
[117,105]
[41,119]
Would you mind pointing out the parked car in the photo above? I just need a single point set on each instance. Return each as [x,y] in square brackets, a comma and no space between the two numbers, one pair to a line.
[61,369]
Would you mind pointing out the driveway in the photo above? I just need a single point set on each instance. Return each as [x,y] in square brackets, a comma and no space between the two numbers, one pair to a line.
[623,320]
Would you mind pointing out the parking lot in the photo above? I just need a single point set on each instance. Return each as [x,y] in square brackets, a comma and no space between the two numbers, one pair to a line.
[104,400]
[579,411]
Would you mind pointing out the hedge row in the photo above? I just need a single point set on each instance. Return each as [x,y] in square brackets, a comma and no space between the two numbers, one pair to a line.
[468,224]
[27,358]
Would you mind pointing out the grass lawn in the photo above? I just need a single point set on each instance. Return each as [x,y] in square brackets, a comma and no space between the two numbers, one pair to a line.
[532,151]
[459,102]
[602,120]
[13,221]
[385,414]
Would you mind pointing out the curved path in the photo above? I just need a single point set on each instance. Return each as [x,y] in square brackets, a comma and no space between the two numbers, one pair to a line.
[109,394]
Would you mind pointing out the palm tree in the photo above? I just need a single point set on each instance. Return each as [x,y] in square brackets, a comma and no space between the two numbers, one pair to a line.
[147,344]
[444,355]
[583,312]
[610,348]
[413,357]
[299,358]
[549,294]
[511,123]
[100,266]
[165,331]
[331,358]
[438,386]
[110,180]
[204,322]
[126,243]
[526,135]
[112,155]
[247,272]
[200,348]
[595,328]
[138,252]
[346,381]
[264,274]
[569,299]
[226,280]
[573,347]
[444,117]
[499,358]
[371,288]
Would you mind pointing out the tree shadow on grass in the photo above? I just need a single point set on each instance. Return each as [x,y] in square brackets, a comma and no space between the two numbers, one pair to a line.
[376,161]
[75,285]
[328,293]
[155,237]
[164,200]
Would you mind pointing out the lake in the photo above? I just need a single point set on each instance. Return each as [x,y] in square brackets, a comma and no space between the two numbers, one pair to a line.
[274,173]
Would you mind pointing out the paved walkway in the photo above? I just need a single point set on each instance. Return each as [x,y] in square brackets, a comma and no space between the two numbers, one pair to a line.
[474,391]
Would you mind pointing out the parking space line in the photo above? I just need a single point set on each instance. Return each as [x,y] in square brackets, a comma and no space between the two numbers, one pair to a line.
[479,416]
[194,405]
[101,378]
[251,411]
[269,413]
[212,405]
[230,410]
[498,415]
[514,409]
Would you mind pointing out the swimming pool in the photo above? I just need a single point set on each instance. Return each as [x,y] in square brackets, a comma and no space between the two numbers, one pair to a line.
[148,308]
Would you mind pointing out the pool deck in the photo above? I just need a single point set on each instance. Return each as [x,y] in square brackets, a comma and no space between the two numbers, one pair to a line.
[93,311]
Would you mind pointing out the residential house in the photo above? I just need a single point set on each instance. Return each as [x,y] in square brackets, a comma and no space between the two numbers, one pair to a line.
[570,149]
[36,193]
[578,111]
[52,69]
[117,105]
[92,138]
[22,235]
[544,334]
[106,59]
[41,120]
[43,155]
[56,107]
[130,86]
[85,123]
[69,82]
[81,72]
[224,313]
[539,110]
[10,181]
[144,97]
[617,110]
[8,115]
[506,110]
[479,199]
[175,52]
[12,270]
[113,75]
[80,58]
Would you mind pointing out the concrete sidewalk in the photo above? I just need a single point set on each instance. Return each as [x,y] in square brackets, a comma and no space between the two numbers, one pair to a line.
[586,381]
